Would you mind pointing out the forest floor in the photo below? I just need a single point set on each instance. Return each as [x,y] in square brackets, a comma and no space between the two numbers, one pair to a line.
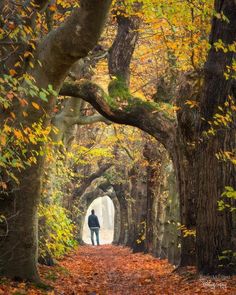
[113,270]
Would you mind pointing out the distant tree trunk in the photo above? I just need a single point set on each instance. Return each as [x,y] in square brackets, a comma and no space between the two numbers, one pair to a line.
[138,195]
[187,176]
[117,221]
[170,246]
[121,191]
[162,234]
[136,211]
[150,154]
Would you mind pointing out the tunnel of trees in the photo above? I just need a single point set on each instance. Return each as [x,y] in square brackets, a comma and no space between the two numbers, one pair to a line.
[143,113]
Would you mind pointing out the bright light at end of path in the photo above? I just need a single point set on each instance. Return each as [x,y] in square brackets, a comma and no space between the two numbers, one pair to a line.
[104,209]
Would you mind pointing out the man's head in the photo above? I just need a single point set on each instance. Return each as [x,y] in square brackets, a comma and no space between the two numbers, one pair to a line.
[92,211]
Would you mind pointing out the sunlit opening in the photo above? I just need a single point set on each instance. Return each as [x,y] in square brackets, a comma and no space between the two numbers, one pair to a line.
[104,209]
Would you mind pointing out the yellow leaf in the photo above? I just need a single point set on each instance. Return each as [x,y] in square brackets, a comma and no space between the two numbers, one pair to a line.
[17,64]
[32,45]
[35,105]
[3,140]
[13,115]
[27,53]
[7,129]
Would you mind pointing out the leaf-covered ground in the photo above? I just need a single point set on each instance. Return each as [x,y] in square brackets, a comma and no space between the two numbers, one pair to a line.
[115,270]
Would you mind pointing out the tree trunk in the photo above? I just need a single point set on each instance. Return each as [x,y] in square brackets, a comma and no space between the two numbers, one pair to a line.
[186,175]
[214,227]
[56,53]
[150,153]
[170,247]
[117,221]
[19,230]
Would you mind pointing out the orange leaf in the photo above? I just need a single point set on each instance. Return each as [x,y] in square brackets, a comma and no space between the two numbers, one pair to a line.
[3,140]
[18,134]
[10,95]
[53,7]
[4,186]
[23,102]
[35,105]
[12,72]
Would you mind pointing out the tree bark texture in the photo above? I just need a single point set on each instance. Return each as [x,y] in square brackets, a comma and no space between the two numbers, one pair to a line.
[171,242]
[214,227]
[138,202]
[121,51]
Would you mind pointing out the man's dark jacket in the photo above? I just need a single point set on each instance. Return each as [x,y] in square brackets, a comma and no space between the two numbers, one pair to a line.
[93,221]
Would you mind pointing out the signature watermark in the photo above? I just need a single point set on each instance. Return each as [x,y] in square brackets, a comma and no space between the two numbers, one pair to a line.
[214,282]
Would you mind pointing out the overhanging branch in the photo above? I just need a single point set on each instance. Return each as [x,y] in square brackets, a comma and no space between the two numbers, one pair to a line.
[134,112]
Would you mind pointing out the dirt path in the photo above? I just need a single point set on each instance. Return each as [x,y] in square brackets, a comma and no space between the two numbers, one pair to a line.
[112,270]
[115,270]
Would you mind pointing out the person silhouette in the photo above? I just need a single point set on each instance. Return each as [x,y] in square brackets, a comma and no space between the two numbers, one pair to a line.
[94,226]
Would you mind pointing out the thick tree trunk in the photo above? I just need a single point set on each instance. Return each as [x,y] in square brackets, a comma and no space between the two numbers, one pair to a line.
[214,227]
[56,53]
[19,229]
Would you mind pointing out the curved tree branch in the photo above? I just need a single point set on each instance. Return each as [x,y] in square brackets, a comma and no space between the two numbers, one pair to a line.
[147,116]
[120,106]
[62,47]
[88,180]
[85,120]
[70,116]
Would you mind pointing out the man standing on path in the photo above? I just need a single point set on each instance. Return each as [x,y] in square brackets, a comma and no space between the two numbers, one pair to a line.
[94,226]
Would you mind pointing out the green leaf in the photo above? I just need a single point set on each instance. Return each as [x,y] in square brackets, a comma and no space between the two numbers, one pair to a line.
[43,96]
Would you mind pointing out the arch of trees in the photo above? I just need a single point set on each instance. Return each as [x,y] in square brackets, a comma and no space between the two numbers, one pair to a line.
[146,204]
[188,138]
[87,199]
